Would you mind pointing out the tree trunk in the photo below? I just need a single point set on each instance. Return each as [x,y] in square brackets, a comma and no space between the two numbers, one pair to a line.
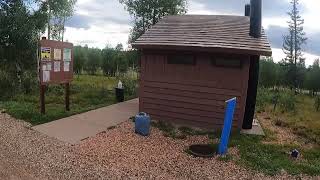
[295,48]
[63,24]
[49,25]
[143,24]
[154,17]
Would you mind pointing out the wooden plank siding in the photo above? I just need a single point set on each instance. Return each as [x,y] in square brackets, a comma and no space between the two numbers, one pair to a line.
[191,94]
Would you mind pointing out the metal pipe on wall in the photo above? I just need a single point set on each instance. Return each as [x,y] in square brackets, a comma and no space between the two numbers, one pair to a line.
[255,31]
[255,18]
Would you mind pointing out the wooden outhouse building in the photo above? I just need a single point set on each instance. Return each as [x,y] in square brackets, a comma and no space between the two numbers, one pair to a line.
[192,64]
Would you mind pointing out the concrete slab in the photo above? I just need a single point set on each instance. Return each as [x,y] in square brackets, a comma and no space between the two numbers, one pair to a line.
[256,129]
[75,128]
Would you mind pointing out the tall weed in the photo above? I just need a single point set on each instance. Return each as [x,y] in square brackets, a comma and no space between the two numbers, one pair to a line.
[283,99]
[29,82]
[317,103]
[287,101]
[7,85]
[264,97]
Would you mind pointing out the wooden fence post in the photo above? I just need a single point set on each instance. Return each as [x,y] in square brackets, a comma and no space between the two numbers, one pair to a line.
[42,99]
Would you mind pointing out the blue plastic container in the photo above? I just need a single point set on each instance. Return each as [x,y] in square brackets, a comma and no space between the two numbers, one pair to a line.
[142,124]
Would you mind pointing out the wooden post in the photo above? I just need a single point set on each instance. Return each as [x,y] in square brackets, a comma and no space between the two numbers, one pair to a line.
[67,94]
[42,99]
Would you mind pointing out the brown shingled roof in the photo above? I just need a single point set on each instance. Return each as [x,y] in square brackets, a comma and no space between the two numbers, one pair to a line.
[217,33]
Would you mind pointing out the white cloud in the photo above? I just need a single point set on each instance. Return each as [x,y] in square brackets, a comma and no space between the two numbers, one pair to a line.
[106,21]
[276,21]
[310,14]
[97,36]
[199,8]
[278,55]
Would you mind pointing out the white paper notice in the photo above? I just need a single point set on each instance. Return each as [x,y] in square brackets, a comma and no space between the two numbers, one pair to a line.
[46,76]
[49,67]
[56,66]
[57,54]
[66,66]
[66,54]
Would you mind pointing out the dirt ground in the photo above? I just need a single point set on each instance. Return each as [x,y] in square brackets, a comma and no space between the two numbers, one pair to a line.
[115,154]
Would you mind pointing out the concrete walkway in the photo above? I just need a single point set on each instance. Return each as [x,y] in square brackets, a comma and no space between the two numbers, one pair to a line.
[75,128]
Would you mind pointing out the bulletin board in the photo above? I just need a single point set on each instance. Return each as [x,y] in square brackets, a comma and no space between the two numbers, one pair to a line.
[55,62]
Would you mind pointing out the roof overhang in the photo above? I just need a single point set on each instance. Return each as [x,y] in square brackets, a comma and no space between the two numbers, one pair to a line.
[267,52]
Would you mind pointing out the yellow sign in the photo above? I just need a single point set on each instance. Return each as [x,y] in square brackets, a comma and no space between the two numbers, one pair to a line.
[45,53]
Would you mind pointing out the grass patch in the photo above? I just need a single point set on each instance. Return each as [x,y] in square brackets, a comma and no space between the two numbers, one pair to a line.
[269,135]
[301,116]
[86,93]
[304,121]
[297,112]
[271,159]
[181,132]
[168,130]
[197,132]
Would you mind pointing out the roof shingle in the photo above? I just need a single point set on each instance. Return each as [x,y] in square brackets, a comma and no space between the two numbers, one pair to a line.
[210,32]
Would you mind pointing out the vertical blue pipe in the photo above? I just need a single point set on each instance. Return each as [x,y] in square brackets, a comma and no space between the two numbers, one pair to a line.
[230,108]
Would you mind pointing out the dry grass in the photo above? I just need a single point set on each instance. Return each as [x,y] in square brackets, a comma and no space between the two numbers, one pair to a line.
[280,135]
[303,122]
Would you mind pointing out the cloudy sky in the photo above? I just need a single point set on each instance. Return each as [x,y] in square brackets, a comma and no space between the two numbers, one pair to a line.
[98,23]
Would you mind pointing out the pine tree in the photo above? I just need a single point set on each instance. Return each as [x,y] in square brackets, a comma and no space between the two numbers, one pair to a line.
[312,77]
[292,47]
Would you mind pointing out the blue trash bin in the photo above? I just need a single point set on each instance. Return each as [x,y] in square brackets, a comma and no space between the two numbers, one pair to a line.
[142,124]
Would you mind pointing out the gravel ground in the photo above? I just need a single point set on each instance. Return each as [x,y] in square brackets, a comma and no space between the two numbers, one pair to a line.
[27,154]
[116,154]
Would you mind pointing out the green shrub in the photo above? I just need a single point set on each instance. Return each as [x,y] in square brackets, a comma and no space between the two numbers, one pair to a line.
[264,97]
[130,84]
[29,82]
[75,88]
[103,92]
[7,85]
[287,101]
[284,99]
[275,99]
[56,89]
